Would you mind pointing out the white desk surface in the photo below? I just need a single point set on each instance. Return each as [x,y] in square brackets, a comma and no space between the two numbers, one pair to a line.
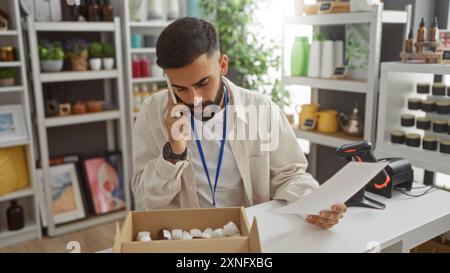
[405,223]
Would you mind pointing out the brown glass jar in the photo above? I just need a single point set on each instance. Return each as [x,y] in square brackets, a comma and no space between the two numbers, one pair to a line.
[15,216]
[92,11]
[106,11]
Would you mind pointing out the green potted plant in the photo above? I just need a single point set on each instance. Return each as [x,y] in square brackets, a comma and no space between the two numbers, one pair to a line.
[108,56]
[51,56]
[7,77]
[78,53]
[252,56]
[95,54]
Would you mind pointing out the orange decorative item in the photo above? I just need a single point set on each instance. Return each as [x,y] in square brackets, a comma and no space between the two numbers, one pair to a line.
[79,108]
[94,106]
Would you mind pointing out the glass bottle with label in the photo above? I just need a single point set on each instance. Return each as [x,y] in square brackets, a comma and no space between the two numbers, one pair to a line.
[136,98]
[15,216]
[92,11]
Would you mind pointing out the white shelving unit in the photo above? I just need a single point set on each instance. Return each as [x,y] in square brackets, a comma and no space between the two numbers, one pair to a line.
[113,83]
[398,83]
[154,28]
[19,95]
[369,87]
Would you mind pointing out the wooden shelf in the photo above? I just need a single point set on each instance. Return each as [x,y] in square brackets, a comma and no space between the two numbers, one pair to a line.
[10,64]
[355,86]
[17,194]
[81,119]
[78,76]
[11,89]
[148,80]
[334,140]
[74,26]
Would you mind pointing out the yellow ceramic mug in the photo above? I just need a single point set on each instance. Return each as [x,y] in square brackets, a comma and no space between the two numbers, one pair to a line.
[328,121]
[308,116]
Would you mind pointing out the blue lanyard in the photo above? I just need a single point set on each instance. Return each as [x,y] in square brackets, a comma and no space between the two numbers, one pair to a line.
[222,146]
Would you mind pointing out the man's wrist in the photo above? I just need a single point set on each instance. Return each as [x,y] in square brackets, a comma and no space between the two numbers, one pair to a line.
[175,150]
[171,156]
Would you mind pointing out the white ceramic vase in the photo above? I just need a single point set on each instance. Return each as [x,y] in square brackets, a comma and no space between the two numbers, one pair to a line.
[155,9]
[314,59]
[327,67]
[95,64]
[108,63]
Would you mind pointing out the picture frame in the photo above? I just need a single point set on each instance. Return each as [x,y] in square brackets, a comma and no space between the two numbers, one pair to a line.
[68,205]
[105,183]
[12,123]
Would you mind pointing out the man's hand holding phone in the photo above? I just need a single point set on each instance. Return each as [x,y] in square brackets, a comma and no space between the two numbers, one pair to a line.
[175,118]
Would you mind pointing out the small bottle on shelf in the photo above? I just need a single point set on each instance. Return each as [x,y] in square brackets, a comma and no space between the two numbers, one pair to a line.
[421,31]
[136,98]
[92,11]
[145,92]
[409,44]
[136,67]
[154,88]
[145,66]
[434,32]
[15,216]
[106,11]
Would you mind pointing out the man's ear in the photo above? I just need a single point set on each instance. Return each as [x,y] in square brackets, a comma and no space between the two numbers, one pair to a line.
[223,63]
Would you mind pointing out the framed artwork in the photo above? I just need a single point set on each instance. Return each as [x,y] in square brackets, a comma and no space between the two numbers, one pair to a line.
[105,182]
[12,123]
[67,202]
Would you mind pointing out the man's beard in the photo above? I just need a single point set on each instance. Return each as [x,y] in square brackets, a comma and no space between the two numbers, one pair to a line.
[212,107]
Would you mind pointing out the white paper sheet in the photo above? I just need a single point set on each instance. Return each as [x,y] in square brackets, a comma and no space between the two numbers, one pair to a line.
[337,190]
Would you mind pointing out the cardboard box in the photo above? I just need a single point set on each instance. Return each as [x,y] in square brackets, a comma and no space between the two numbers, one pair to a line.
[186,219]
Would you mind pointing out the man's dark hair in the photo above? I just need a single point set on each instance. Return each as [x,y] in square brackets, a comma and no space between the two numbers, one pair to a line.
[185,40]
